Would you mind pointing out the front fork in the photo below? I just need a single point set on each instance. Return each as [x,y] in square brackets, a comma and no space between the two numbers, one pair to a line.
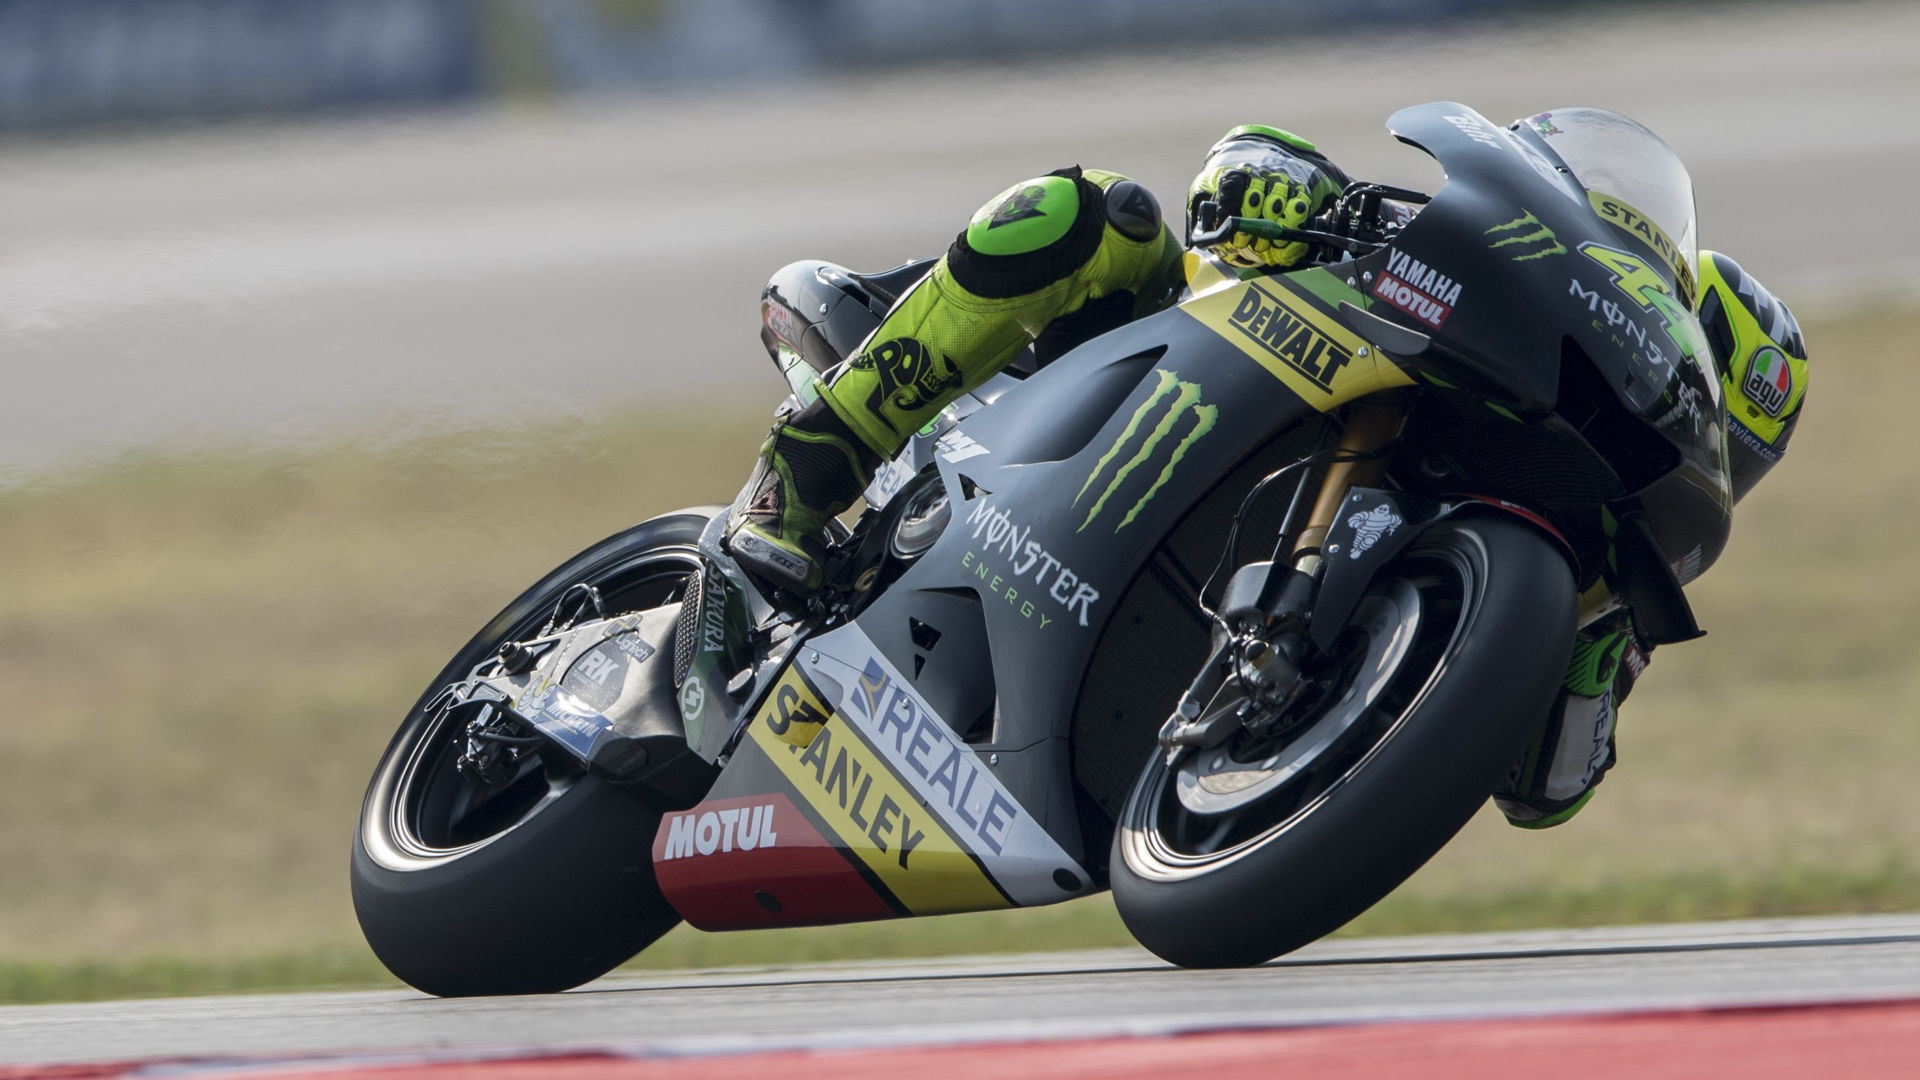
[1362,461]
[1261,627]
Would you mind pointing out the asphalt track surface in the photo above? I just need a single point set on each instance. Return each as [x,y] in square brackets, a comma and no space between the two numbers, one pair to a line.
[1083,995]
[284,282]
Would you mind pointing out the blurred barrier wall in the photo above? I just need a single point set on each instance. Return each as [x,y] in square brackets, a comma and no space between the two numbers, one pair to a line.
[881,29]
[78,62]
[600,44]
[67,63]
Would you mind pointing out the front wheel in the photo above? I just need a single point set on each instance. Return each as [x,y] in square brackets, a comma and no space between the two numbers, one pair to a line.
[542,881]
[1291,828]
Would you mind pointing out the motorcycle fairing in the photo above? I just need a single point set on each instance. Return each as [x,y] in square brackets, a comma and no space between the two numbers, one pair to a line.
[950,696]
[759,860]
[1072,480]
[1544,263]
[1316,356]
[877,779]
[952,781]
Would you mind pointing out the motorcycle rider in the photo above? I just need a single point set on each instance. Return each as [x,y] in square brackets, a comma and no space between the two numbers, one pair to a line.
[1058,259]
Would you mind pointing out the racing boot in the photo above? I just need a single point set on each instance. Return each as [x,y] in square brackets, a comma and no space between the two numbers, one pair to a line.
[1559,772]
[811,468]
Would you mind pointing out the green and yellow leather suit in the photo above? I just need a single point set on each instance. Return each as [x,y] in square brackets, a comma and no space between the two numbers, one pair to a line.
[1076,252]
[1051,262]
[1054,260]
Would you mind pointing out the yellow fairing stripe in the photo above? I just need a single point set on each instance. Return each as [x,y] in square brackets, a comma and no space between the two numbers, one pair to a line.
[1204,274]
[1626,217]
[874,815]
[793,712]
[1325,363]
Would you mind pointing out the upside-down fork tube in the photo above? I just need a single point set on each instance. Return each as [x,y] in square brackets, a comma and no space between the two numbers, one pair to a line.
[1369,429]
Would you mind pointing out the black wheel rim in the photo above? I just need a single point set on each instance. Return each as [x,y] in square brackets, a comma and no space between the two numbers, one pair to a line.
[1165,836]
[422,811]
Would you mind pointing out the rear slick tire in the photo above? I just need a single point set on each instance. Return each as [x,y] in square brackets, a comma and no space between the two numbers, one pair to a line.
[1461,717]
[547,882]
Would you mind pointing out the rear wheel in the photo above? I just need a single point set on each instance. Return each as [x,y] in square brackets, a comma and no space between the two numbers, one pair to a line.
[545,880]
[1275,838]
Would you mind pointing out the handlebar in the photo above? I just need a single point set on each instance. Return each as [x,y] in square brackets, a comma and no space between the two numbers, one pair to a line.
[1225,226]
[1335,229]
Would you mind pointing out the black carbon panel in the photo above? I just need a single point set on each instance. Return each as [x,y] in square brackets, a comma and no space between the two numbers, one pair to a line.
[686,631]
[1487,454]
[1197,542]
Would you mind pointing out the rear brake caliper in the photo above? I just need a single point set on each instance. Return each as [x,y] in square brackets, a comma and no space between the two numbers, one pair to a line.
[497,741]
[497,738]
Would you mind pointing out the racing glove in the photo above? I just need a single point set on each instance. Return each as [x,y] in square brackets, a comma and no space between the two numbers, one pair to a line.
[1256,171]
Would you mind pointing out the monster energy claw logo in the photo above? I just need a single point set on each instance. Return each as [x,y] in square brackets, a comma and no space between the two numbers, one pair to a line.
[1180,402]
[1540,235]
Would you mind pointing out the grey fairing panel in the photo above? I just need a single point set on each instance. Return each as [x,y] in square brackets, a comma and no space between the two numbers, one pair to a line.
[995,585]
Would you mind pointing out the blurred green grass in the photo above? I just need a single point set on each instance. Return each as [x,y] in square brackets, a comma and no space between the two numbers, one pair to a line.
[204,654]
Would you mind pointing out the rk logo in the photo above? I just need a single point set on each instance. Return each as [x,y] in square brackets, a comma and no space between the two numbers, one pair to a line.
[1173,406]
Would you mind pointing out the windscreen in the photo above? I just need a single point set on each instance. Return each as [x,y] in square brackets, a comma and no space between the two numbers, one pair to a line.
[1634,177]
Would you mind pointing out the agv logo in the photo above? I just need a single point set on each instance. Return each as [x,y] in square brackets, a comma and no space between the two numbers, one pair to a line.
[1164,427]
[1769,380]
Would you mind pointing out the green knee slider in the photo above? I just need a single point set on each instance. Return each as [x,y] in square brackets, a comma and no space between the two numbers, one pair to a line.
[1027,217]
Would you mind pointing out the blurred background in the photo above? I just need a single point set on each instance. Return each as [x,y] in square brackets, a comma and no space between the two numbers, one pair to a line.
[327,325]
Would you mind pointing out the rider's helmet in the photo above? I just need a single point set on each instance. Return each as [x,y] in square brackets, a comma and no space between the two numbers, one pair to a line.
[1263,172]
[1762,361]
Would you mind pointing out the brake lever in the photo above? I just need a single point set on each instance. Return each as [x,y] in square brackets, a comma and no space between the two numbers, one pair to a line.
[1210,226]
[1225,227]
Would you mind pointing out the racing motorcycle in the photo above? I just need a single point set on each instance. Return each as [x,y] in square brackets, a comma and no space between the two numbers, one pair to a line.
[1240,610]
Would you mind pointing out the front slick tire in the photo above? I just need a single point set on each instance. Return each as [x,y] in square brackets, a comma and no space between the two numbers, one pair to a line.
[1493,603]
[542,883]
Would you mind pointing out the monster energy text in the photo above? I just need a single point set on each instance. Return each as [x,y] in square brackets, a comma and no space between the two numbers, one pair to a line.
[1175,402]
[1535,239]
[1000,537]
